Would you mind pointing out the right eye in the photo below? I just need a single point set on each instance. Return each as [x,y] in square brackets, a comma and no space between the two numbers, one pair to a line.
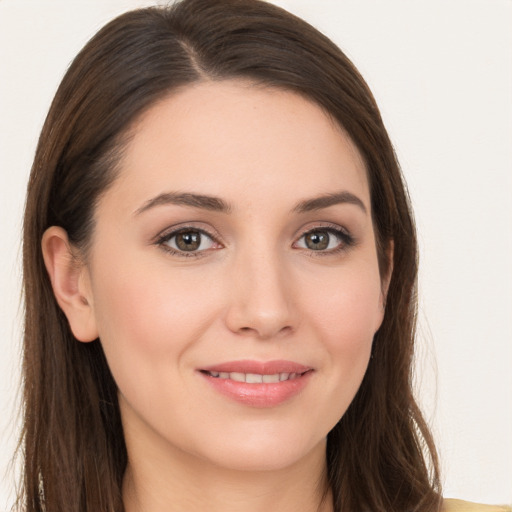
[325,240]
[187,242]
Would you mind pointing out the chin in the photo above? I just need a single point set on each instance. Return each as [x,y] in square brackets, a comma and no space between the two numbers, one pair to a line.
[264,453]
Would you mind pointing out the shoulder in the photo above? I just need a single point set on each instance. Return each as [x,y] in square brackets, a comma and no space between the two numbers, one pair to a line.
[465,506]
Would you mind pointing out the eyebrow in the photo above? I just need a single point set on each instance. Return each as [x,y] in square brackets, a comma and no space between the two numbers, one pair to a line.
[216,204]
[186,199]
[324,201]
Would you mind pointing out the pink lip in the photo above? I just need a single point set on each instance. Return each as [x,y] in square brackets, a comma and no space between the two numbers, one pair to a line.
[258,395]
[261,367]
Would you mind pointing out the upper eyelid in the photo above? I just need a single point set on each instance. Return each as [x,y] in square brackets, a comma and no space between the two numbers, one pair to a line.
[326,225]
[344,235]
[169,232]
[339,233]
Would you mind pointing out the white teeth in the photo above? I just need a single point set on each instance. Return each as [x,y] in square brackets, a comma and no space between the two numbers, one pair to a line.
[255,378]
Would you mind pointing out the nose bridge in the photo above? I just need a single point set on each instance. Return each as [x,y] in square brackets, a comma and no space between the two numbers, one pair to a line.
[261,300]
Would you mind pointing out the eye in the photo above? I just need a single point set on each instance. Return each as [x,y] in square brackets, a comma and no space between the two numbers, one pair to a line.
[187,240]
[324,240]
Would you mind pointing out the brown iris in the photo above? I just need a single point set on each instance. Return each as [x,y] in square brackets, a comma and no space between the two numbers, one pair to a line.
[317,240]
[188,240]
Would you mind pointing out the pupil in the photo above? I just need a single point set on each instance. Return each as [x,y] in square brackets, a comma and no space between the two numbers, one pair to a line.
[188,241]
[317,240]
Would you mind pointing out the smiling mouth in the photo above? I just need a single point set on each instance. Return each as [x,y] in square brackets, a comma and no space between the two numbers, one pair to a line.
[256,378]
[261,384]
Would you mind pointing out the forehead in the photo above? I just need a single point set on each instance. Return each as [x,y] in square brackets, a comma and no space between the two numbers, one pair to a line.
[233,139]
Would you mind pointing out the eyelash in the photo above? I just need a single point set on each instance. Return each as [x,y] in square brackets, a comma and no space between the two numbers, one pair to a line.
[346,241]
[163,240]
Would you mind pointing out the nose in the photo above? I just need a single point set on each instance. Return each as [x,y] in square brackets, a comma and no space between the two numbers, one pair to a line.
[261,301]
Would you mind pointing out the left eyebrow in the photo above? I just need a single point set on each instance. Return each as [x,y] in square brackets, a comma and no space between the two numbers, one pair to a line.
[324,201]
[201,201]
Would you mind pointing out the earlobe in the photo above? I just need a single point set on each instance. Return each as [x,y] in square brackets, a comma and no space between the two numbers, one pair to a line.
[70,283]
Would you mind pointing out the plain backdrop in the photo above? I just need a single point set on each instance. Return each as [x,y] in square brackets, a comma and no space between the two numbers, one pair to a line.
[441,71]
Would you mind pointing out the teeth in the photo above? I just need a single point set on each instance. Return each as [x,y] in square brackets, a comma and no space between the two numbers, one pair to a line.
[255,378]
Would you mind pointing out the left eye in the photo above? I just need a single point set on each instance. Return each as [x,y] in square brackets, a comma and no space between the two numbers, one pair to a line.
[190,240]
[320,240]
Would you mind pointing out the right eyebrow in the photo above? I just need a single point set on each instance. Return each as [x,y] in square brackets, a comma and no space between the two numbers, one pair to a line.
[204,202]
[324,201]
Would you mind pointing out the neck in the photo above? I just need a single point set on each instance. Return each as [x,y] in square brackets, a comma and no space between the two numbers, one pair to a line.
[170,480]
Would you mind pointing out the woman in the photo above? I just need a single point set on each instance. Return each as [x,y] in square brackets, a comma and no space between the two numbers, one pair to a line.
[222,315]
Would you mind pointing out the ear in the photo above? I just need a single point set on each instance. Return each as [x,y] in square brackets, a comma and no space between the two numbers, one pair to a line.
[70,282]
[385,280]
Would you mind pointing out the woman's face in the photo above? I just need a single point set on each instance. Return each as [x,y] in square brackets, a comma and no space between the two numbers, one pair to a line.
[233,277]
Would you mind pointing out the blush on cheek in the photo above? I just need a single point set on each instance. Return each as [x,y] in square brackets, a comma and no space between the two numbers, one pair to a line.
[352,315]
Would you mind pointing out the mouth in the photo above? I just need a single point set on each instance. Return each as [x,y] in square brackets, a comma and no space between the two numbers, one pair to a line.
[255,378]
[258,384]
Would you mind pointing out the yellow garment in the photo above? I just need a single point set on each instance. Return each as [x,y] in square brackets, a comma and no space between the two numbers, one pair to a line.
[466,506]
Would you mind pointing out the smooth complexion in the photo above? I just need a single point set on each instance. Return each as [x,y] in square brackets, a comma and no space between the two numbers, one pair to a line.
[237,237]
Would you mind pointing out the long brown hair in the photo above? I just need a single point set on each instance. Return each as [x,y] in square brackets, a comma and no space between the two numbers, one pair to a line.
[380,455]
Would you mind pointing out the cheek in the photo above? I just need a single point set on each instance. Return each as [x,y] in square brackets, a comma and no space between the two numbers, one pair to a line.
[147,317]
[346,322]
[148,303]
[348,311]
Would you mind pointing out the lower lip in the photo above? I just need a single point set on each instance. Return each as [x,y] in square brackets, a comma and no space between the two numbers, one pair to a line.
[259,395]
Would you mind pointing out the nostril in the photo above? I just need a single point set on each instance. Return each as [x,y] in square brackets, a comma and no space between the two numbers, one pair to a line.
[265,333]
[247,330]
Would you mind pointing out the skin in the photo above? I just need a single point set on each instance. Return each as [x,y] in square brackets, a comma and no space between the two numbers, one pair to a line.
[254,290]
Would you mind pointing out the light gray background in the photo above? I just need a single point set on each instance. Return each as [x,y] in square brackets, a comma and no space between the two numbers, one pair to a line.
[441,71]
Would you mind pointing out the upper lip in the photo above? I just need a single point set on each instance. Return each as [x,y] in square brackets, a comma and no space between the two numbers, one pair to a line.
[258,367]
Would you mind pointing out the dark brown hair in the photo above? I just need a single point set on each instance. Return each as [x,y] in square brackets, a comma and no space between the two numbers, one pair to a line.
[380,455]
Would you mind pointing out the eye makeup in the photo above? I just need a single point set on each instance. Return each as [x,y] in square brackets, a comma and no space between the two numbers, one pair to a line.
[188,240]
[325,240]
